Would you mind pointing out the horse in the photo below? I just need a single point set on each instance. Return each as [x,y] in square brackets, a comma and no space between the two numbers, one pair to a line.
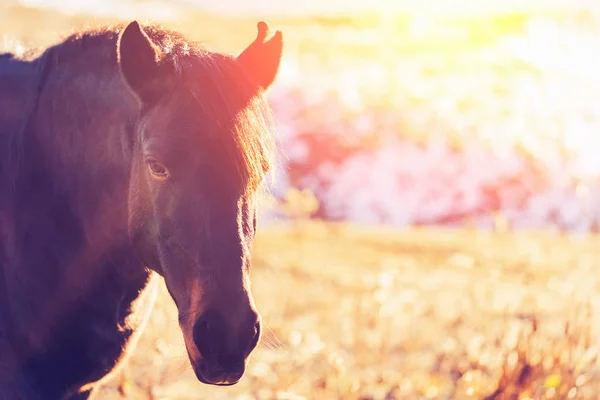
[129,155]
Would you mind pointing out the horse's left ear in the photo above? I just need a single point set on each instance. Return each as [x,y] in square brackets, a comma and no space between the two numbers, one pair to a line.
[138,59]
[262,57]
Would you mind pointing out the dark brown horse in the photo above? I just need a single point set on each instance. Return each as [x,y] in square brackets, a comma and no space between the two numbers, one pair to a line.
[128,153]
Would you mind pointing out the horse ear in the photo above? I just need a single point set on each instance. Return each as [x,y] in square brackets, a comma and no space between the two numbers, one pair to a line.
[138,60]
[262,57]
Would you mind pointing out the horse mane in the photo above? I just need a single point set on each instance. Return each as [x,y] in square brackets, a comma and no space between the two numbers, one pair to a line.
[251,147]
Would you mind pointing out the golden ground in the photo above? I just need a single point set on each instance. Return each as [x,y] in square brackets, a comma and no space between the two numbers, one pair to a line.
[359,313]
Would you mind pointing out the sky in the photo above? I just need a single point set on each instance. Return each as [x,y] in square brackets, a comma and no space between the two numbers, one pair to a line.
[296,7]
[335,6]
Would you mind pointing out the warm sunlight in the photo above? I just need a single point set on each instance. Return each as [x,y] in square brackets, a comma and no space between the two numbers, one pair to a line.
[430,231]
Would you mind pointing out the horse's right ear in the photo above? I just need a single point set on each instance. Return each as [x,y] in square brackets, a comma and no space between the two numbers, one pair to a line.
[138,60]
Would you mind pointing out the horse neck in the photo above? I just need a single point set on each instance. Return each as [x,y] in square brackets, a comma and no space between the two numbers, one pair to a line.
[70,204]
[68,213]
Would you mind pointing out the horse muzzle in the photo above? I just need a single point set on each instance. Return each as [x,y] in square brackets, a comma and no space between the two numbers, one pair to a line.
[221,347]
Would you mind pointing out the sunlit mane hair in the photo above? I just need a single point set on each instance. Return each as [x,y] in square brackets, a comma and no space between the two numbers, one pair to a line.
[223,89]
[229,97]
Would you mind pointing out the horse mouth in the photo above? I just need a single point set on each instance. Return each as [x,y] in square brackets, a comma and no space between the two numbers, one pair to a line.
[218,379]
[221,378]
[223,383]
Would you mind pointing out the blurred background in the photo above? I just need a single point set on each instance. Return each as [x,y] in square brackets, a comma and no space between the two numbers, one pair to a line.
[432,229]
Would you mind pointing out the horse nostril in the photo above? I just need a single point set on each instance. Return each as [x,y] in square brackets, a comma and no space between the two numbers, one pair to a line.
[204,327]
[255,337]
[209,334]
[257,328]
[216,340]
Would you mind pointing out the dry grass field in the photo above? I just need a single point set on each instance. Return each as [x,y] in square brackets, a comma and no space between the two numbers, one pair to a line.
[360,313]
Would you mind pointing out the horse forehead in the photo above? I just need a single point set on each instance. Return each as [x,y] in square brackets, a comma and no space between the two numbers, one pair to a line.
[186,109]
[185,124]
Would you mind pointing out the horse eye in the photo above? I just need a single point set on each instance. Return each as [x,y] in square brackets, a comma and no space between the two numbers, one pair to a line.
[157,169]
